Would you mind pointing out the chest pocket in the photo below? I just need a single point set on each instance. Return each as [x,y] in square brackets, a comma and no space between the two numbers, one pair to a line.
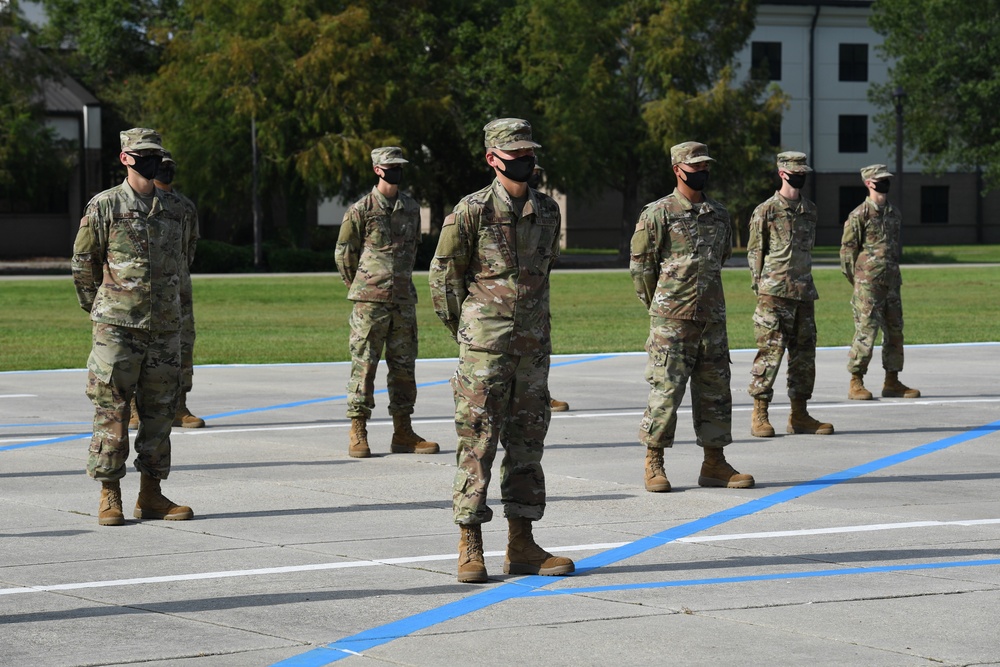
[497,243]
[683,235]
[128,237]
[805,233]
[378,234]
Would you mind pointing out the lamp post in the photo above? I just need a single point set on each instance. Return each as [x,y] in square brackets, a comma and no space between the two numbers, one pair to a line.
[898,96]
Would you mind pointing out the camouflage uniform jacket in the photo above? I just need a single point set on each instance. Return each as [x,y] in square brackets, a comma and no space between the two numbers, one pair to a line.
[127,260]
[779,250]
[869,250]
[678,250]
[192,232]
[377,247]
[490,274]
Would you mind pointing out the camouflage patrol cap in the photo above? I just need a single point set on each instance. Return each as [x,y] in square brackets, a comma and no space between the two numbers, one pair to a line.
[140,139]
[874,172]
[509,134]
[689,152]
[388,155]
[793,162]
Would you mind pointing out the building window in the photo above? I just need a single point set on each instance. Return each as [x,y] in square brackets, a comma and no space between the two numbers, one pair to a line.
[765,60]
[853,62]
[934,204]
[853,134]
[851,196]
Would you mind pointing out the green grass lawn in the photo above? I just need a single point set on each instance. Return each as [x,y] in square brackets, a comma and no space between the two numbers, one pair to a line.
[304,318]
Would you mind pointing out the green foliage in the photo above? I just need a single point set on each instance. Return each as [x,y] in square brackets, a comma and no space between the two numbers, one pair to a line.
[946,54]
[219,257]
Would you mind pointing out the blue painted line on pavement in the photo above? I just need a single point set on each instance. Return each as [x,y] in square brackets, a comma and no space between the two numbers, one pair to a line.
[529,586]
[781,576]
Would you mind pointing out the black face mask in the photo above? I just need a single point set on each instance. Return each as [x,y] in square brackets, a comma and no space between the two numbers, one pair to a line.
[392,175]
[145,165]
[696,180]
[519,169]
[882,186]
[535,180]
[165,174]
[796,180]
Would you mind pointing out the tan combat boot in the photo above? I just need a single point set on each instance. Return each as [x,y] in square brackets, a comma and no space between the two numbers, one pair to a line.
[526,557]
[760,427]
[183,416]
[471,566]
[656,478]
[133,420]
[152,504]
[405,441]
[799,420]
[558,406]
[359,439]
[893,388]
[857,392]
[716,471]
[109,513]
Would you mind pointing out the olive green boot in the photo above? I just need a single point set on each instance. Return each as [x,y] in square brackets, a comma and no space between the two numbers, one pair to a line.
[857,392]
[405,441]
[152,504]
[358,447]
[799,421]
[893,388]
[760,427]
[526,557]
[471,566]
[716,471]
[656,478]
[109,513]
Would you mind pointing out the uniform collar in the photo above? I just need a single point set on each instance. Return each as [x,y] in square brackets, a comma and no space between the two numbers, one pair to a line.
[500,192]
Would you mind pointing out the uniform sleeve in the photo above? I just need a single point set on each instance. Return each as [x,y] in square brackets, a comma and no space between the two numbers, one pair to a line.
[448,268]
[88,258]
[644,263]
[849,249]
[349,242]
[757,245]
[194,233]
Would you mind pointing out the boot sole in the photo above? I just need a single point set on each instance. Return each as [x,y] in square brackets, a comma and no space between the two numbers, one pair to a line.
[402,449]
[712,482]
[528,568]
[819,431]
[897,394]
[473,578]
[360,455]
[147,514]
[762,434]
[112,521]
[658,488]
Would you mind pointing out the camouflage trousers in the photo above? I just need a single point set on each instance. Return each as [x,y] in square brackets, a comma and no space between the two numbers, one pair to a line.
[876,309]
[123,362]
[781,324]
[187,338]
[680,350]
[500,398]
[375,326]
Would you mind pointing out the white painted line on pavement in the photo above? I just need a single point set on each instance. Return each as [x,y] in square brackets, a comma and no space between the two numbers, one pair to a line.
[226,574]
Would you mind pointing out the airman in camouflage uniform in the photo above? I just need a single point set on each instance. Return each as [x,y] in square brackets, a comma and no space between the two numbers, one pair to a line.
[678,249]
[164,181]
[779,251]
[490,286]
[869,258]
[375,254]
[127,271]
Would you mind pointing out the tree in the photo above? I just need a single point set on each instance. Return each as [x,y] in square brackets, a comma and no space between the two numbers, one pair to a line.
[945,55]
[616,83]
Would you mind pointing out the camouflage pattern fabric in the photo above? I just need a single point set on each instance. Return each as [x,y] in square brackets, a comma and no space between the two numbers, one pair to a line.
[869,258]
[377,247]
[122,360]
[490,275]
[781,324]
[127,259]
[779,249]
[375,326]
[500,397]
[192,232]
[678,250]
[679,350]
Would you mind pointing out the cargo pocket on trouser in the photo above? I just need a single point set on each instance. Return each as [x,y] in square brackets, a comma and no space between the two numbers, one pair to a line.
[659,421]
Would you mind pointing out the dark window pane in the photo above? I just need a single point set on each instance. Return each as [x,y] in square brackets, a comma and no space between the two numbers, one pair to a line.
[853,134]
[851,196]
[765,60]
[853,62]
[934,204]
